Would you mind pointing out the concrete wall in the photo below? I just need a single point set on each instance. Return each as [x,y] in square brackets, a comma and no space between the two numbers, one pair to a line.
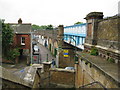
[6,84]
[10,80]
[62,77]
[28,81]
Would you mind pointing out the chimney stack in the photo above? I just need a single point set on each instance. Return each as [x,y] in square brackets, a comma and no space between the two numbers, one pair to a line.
[20,21]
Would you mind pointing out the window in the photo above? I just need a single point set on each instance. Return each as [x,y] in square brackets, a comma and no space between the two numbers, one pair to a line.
[22,40]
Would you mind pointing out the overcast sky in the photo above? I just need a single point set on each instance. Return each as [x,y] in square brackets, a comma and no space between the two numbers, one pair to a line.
[55,12]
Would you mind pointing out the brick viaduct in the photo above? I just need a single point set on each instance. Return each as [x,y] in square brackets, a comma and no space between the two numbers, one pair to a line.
[102,34]
[90,71]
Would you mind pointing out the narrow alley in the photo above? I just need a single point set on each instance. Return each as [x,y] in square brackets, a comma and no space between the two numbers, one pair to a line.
[43,54]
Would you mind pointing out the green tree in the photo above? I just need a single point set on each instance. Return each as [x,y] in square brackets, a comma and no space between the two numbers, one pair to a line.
[78,23]
[35,27]
[8,51]
[7,38]
[42,27]
[13,53]
[49,27]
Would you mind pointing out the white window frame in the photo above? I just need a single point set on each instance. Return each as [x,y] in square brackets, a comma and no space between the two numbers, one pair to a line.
[22,38]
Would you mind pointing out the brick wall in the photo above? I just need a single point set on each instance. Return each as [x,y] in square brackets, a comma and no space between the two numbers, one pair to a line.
[104,36]
[55,41]
[107,33]
[62,77]
[66,61]
[49,33]
[89,32]
[87,73]
[27,40]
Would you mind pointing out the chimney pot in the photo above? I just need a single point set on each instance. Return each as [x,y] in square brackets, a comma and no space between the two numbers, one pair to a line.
[20,21]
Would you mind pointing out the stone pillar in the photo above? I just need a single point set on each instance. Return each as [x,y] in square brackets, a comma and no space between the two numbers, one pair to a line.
[92,25]
[91,20]
[46,66]
[60,35]
[39,68]
[60,38]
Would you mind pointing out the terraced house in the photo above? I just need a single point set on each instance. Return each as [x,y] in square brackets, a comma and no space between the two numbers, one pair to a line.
[22,39]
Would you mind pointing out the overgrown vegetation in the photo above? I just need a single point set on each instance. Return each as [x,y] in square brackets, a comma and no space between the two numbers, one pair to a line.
[13,53]
[76,60]
[94,51]
[111,60]
[8,52]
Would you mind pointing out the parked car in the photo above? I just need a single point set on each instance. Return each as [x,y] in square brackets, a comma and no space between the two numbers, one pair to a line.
[36,54]
[36,48]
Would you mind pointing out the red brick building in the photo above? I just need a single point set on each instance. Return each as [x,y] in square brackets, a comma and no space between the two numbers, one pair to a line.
[22,38]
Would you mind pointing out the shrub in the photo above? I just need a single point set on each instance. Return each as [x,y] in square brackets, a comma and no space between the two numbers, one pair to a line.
[111,60]
[13,53]
[94,51]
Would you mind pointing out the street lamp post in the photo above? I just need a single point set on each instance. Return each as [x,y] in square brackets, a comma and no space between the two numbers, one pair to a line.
[31,48]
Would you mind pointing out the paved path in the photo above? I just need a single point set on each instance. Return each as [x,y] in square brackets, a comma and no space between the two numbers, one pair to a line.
[21,68]
[43,53]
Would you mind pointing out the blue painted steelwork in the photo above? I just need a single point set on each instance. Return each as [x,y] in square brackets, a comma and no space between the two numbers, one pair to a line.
[77,32]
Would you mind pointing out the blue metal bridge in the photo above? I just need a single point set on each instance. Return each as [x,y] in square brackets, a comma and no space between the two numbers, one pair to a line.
[75,35]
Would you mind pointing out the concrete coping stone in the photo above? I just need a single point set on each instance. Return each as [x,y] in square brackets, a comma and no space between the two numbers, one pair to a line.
[109,49]
[6,74]
[37,66]
[63,85]
[105,48]
[62,70]
[47,62]
[30,76]
[27,79]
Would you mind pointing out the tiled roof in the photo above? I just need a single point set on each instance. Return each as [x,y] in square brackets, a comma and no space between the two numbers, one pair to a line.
[21,28]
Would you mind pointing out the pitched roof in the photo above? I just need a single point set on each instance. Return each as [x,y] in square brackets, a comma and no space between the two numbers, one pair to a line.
[24,28]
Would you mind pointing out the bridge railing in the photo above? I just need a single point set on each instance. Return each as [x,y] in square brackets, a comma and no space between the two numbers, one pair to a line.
[75,40]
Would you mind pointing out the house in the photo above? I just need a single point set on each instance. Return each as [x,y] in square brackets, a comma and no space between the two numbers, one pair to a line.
[22,39]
